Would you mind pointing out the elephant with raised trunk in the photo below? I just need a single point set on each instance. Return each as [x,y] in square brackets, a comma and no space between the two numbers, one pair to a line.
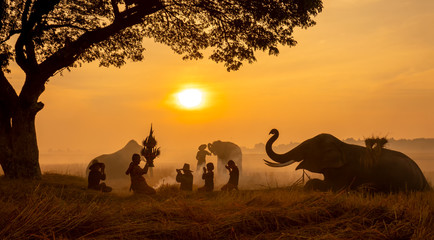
[348,166]
[226,151]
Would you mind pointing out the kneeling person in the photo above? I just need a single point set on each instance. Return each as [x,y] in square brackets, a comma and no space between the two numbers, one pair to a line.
[97,174]
[138,182]
[186,178]
[234,175]
[208,177]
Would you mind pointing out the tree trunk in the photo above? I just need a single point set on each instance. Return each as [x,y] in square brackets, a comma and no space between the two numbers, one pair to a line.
[20,154]
[5,140]
[8,98]
[24,145]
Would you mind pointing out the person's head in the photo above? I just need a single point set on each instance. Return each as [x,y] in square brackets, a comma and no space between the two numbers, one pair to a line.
[95,166]
[186,168]
[136,158]
[210,166]
[202,147]
[231,163]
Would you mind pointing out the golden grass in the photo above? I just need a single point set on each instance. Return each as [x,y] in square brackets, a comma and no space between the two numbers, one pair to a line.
[60,207]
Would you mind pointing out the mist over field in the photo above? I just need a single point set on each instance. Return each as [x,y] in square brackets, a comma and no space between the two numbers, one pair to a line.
[255,175]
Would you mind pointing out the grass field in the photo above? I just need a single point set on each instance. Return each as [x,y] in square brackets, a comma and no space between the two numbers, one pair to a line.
[60,207]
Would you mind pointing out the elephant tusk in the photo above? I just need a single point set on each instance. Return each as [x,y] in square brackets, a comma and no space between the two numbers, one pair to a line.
[272,164]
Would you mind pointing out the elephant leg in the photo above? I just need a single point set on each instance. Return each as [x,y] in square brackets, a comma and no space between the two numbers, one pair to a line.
[316,185]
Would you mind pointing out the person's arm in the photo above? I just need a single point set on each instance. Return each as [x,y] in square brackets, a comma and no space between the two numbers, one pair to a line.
[102,172]
[130,167]
[208,176]
[179,176]
[145,169]
[204,173]
[102,176]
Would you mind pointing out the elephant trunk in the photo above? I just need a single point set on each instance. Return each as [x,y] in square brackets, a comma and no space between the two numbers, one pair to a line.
[295,155]
[211,148]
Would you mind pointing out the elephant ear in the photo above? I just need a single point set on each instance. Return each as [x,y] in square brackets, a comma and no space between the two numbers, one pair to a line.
[332,157]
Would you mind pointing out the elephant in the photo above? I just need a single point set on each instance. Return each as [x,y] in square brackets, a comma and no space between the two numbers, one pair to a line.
[351,167]
[226,151]
[116,163]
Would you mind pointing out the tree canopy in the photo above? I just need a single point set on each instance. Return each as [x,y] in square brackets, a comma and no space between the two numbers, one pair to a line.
[111,31]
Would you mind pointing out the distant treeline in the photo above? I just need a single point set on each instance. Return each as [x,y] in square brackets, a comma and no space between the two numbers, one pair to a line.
[408,145]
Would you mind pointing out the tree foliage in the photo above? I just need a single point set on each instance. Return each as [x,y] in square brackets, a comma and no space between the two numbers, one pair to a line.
[234,29]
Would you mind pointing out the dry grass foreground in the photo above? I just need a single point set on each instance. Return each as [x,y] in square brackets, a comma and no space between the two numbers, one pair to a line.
[59,207]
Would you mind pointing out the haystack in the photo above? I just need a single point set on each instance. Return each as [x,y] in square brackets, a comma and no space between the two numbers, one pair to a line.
[374,147]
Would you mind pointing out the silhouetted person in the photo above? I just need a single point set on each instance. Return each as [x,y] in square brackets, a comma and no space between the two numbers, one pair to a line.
[208,177]
[97,174]
[201,155]
[138,182]
[186,178]
[234,175]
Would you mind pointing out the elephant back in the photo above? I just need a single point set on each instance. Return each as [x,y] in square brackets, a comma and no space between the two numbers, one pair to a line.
[395,171]
[116,163]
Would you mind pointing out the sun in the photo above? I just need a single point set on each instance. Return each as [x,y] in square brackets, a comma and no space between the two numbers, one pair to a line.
[190,98]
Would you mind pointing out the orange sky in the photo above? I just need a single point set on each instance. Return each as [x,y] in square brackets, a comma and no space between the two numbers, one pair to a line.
[366,68]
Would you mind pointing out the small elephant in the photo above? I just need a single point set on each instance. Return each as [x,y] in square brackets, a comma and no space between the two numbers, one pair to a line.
[348,166]
[226,151]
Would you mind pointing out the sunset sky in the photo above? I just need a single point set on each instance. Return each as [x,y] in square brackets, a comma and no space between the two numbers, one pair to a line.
[366,68]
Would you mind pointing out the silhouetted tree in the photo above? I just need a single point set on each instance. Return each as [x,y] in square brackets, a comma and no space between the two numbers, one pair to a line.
[45,37]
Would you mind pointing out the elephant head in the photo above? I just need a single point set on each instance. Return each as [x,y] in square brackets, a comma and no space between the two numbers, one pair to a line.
[211,148]
[221,149]
[225,151]
[316,154]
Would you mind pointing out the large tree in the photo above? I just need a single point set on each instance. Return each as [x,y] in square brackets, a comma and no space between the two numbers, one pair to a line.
[45,37]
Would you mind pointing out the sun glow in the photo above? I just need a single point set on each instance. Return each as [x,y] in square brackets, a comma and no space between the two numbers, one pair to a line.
[190,98]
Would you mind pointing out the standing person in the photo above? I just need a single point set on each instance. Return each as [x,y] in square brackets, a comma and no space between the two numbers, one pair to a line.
[208,177]
[138,182]
[200,156]
[186,178]
[97,174]
[234,175]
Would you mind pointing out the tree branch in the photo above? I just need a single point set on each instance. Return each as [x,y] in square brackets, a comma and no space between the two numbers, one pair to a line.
[49,27]
[31,19]
[114,4]
[25,12]
[9,36]
[30,53]
[150,6]
[19,45]
[67,55]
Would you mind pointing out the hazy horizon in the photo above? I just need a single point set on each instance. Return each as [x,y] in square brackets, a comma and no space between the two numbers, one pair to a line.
[420,150]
